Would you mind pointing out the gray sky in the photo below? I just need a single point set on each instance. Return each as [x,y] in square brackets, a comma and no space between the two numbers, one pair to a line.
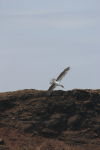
[40,38]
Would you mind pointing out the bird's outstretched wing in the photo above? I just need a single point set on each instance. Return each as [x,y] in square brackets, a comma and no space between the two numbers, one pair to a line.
[62,74]
[51,88]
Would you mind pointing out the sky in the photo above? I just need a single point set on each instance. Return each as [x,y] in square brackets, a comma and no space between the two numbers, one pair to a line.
[40,38]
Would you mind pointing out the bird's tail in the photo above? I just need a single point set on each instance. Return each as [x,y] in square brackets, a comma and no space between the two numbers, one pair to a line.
[52,81]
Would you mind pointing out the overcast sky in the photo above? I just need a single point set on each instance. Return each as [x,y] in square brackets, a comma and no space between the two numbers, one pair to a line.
[40,38]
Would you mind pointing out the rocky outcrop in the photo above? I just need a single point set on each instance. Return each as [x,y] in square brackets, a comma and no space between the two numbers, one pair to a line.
[69,116]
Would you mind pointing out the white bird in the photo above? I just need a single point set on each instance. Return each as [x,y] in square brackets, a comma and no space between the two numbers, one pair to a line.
[56,82]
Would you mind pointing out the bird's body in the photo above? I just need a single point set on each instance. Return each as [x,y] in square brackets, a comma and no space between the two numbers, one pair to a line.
[56,82]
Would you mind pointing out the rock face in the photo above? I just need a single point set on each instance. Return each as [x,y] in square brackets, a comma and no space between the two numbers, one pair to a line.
[65,120]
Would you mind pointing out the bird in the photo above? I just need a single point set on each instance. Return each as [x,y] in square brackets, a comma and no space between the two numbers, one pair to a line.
[56,82]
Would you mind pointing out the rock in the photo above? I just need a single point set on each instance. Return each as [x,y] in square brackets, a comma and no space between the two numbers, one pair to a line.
[1,141]
[72,116]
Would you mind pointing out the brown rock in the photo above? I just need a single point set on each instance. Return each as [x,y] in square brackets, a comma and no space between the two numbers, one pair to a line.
[29,119]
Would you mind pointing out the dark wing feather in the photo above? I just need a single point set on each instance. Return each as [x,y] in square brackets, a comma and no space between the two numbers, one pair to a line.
[51,88]
[62,74]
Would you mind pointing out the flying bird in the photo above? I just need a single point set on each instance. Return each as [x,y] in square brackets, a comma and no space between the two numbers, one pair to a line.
[56,82]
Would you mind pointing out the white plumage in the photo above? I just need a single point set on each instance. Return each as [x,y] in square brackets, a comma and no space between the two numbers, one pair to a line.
[56,82]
